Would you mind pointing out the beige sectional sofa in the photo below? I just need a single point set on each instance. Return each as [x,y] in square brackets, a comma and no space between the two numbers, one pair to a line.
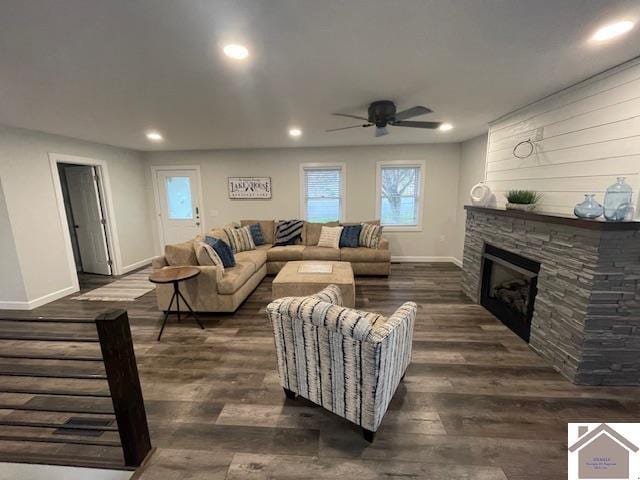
[214,291]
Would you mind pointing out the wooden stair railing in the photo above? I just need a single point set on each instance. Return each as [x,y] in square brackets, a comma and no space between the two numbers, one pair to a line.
[70,393]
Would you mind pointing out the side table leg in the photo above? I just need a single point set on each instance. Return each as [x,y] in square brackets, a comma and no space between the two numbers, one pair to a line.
[191,310]
[166,316]
[176,293]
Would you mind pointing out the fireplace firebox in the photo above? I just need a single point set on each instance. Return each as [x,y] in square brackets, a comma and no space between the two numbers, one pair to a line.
[508,289]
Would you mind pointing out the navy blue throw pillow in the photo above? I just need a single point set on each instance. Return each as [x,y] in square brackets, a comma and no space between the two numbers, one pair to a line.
[350,235]
[256,234]
[223,250]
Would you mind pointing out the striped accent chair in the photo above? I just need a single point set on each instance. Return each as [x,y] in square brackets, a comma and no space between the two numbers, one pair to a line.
[347,361]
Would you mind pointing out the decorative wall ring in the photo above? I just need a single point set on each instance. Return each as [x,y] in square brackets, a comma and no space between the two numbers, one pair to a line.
[531,148]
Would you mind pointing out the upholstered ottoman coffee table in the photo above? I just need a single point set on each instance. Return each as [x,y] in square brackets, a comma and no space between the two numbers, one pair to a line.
[299,279]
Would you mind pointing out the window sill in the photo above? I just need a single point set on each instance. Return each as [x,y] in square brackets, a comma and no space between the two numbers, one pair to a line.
[401,228]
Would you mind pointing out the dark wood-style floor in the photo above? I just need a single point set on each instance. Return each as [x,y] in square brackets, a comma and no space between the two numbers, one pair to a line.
[476,402]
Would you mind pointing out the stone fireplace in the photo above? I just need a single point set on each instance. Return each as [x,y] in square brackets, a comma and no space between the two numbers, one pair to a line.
[575,282]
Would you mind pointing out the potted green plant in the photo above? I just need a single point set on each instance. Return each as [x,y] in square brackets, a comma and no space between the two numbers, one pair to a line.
[525,200]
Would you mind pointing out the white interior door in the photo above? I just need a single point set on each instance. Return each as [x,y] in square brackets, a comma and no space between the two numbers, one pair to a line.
[84,197]
[179,195]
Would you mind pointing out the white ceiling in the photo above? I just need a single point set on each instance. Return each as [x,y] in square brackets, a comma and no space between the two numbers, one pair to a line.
[107,70]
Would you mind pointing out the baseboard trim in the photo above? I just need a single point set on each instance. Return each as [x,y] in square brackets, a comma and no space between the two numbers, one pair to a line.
[423,259]
[133,266]
[38,302]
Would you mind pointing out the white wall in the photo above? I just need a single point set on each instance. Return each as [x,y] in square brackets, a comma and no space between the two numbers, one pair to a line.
[11,283]
[473,154]
[437,238]
[33,212]
[591,135]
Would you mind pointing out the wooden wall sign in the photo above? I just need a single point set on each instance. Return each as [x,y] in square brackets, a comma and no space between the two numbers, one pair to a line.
[253,188]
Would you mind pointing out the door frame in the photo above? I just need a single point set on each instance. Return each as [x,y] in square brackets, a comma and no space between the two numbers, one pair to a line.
[106,200]
[156,198]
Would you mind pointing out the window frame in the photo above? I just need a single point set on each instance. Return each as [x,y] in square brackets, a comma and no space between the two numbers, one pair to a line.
[323,166]
[421,165]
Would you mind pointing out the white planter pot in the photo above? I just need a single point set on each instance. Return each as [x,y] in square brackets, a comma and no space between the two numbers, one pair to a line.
[525,207]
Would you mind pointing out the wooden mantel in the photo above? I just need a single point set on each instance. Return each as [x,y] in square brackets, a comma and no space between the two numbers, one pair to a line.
[597,224]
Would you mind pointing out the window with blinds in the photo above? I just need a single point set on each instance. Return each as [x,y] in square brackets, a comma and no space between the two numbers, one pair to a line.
[399,194]
[322,193]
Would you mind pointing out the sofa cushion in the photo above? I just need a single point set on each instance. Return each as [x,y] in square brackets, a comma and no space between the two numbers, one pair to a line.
[364,254]
[285,253]
[218,233]
[223,250]
[312,232]
[235,277]
[268,228]
[289,232]
[320,253]
[181,254]
[257,257]
[240,239]
[350,235]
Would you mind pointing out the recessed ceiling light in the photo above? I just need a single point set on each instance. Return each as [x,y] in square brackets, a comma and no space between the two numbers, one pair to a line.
[154,136]
[295,132]
[445,127]
[237,52]
[612,30]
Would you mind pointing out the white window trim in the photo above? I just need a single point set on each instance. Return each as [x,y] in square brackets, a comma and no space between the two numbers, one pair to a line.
[421,164]
[343,186]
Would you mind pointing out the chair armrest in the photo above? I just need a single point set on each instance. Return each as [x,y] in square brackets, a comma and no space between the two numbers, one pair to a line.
[403,317]
[384,244]
[393,343]
[159,262]
[330,294]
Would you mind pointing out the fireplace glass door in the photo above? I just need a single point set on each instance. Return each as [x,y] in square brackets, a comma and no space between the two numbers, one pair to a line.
[509,286]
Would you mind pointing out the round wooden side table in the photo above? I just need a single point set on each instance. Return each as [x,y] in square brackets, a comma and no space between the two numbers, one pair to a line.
[175,275]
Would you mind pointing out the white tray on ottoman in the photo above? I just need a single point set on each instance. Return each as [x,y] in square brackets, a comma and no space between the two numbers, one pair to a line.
[291,282]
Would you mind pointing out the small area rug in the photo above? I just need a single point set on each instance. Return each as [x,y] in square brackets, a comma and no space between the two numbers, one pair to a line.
[126,289]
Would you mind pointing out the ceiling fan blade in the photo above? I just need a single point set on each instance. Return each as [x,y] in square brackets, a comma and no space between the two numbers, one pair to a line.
[350,116]
[346,128]
[381,131]
[431,125]
[412,112]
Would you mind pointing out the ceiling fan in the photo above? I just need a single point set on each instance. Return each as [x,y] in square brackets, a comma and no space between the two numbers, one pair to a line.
[383,113]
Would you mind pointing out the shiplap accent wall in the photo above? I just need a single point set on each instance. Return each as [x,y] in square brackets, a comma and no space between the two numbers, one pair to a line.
[590,136]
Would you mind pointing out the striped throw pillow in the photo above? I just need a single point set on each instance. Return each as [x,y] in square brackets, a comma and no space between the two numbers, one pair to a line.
[330,237]
[207,256]
[288,231]
[240,239]
[370,235]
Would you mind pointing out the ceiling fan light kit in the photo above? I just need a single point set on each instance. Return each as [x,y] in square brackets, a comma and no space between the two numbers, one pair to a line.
[383,113]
